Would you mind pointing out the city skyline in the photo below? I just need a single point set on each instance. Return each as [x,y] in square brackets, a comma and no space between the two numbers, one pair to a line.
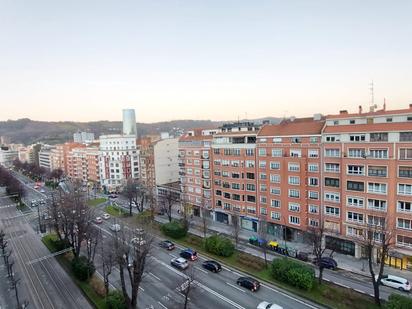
[195,60]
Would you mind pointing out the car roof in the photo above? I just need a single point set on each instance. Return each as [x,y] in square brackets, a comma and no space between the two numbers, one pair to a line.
[181,260]
[397,278]
[189,250]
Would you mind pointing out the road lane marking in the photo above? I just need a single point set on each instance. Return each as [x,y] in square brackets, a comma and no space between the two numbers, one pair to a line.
[289,296]
[163,306]
[154,276]
[140,288]
[359,291]
[202,270]
[236,287]
[172,255]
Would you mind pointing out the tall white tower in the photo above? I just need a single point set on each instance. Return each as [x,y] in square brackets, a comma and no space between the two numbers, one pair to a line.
[129,122]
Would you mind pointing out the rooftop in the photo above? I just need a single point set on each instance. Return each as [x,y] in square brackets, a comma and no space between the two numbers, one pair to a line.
[298,126]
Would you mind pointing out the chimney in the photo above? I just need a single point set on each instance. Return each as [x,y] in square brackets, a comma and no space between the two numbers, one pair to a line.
[360,109]
[410,106]
[343,112]
[317,117]
[384,104]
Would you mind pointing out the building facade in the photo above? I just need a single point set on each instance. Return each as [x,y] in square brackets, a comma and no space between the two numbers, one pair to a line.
[83,137]
[7,156]
[166,166]
[129,122]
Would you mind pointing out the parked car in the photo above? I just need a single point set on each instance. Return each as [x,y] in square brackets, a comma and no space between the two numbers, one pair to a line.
[212,266]
[42,191]
[189,254]
[267,305]
[303,256]
[112,195]
[180,263]
[327,262]
[34,204]
[105,216]
[395,282]
[249,283]
[98,220]
[167,244]
[115,227]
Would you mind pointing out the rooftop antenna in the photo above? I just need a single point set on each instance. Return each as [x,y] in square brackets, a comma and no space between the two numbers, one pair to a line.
[372,93]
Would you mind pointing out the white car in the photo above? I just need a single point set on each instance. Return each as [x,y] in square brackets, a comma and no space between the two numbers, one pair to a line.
[115,227]
[180,263]
[267,305]
[396,282]
[42,191]
[98,220]
[105,216]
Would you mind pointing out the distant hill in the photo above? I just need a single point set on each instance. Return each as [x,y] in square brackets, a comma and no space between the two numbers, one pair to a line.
[28,131]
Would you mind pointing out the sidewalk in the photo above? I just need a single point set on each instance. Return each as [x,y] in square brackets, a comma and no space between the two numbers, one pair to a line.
[345,262]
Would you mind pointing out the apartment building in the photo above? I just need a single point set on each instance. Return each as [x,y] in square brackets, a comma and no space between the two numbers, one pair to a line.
[367,179]
[83,164]
[146,160]
[118,160]
[45,157]
[288,157]
[7,156]
[234,178]
[59,155]
[166,166]
[195,165]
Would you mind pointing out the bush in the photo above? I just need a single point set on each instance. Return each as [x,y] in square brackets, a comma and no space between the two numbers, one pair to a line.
[115,300]
[396,301]
[174,229]
[219,245]
[293,273]
[82,268]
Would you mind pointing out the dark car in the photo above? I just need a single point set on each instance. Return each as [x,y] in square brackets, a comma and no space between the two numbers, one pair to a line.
[189,254]
[212,266]
[327,262]
[303,256]
[249,283]
[167,244]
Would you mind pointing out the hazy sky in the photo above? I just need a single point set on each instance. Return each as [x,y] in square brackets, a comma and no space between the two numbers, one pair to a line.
[86,60]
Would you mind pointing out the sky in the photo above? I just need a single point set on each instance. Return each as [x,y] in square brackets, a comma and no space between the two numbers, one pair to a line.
[220,60]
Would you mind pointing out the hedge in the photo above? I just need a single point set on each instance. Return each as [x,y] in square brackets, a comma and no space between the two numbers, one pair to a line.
[115,300]
[396,301]
[219,245]
[293,273]
[82,268]
[174,229]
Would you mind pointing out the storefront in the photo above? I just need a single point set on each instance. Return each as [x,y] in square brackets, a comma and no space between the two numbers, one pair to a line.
[398,260]
[249,223]
[340,245]
[221,217]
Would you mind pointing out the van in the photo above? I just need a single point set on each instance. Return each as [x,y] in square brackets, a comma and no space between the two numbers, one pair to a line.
[395,282]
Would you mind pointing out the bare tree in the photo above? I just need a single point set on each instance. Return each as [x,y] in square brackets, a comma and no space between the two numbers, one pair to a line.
[205,220]
[187,287]
[377,240]
[130,192]
[236,228]
[108,261]
[93,237]
[169,199]
[131,253]
[316,236]
[262,233]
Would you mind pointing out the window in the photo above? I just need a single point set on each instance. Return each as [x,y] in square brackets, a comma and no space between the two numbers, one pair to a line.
[313,167]
[374,187]
[404,240]
[379,205]
[275,203]
[379,153]
[250,187]
[357,138]
[251,210]
[404,189]
[332,211]
[332,182]
[404,224]
[355,186]
[249,163]
[295,153]
[313,222]
[275,215]
[354,217]
[379,137]
[263,199]
[225,174]
[376,221]
[235,186]
[274,178]
[262,152]
[294,220]
[332,152]
[404,206]
[274,165]
[226,195]
[313,139]
[377,171]
[351,121]
[295,207]
[313,195]
[293,167]
[332,138]
[313,209]
[250,152]
[405,154]
[354,201]
[251,198]
[235,163]
[236,197]
[388,119]
[262,188]
[294,193]
[356,153]
[405,136]
[313,181]
[354,232]
[332,197]
[274,191]
[263,211]
[262,176]
[236,175]
[277,139]
[294,180]
[313,153]
[356,170]
[250,175]
[276,152]
[405,171]
[218,192]
[332,167]
[296,140]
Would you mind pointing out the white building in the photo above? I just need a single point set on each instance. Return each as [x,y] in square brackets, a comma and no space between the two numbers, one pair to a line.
[129,122]
[118,160]
[83,137]
[45,157]
[7,156]
[166,154]
[25,154]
